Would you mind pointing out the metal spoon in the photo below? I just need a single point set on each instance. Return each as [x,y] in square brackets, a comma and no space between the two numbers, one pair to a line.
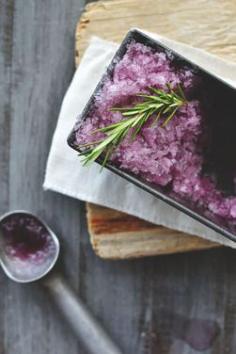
[27,270]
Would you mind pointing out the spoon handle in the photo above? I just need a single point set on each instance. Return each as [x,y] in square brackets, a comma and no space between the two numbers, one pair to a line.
[80,319]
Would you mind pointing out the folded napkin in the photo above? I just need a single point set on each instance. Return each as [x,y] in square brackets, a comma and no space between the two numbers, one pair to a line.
[64,172]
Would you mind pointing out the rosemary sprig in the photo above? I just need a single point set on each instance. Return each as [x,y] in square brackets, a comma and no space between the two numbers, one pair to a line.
[163,104]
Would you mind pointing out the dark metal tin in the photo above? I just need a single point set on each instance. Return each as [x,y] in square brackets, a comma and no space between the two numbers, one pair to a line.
[215,223]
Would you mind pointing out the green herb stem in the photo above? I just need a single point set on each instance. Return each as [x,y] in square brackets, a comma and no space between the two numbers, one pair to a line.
[163,104]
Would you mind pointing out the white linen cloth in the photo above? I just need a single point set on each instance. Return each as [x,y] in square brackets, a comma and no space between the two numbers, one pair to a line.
[64,172]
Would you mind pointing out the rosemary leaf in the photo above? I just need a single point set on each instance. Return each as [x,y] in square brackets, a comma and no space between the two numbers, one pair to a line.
[163,104]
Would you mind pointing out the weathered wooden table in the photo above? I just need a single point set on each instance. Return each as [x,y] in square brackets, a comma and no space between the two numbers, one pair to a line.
[179,304]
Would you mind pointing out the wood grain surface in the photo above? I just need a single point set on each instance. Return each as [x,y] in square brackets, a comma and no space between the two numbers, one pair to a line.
[115,235]
[145,304]
[35,71]
[188,23]
[207,24]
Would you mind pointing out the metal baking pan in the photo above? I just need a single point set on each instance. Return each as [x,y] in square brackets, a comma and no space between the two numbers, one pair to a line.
[214,88]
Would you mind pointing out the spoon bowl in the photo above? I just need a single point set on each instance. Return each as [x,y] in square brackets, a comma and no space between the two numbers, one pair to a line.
[29,249]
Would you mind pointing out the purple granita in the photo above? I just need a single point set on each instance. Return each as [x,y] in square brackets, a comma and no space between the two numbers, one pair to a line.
[170,156]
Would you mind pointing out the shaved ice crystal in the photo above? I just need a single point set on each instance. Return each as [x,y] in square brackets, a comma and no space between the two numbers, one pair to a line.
[166,156]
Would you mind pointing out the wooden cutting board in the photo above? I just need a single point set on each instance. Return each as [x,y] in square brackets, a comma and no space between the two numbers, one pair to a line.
[207,24]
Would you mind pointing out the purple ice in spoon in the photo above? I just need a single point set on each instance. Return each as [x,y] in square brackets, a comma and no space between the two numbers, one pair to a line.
[25,238]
